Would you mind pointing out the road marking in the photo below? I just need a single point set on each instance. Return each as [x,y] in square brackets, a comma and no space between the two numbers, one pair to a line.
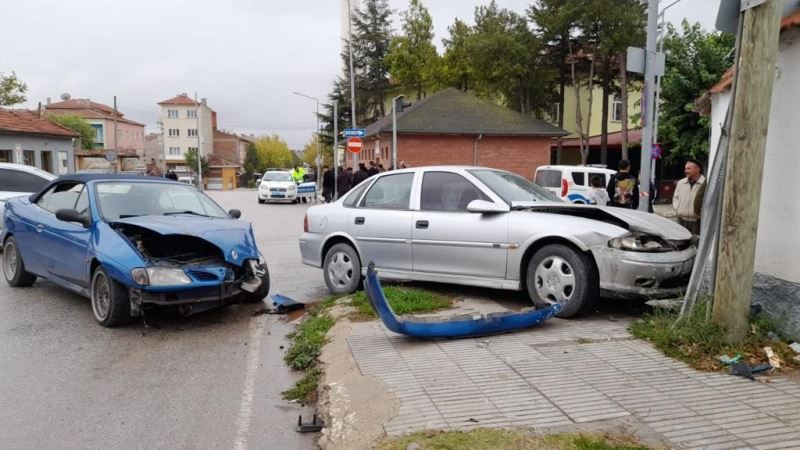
[246,405]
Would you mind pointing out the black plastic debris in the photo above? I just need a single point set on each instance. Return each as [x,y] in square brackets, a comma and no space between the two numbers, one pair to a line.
[743,370]
[312,427]
[283,304]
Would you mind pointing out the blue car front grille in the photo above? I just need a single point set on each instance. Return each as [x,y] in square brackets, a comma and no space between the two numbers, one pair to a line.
[201,275]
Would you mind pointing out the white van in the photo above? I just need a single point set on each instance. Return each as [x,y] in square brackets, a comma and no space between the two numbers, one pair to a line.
[571,182]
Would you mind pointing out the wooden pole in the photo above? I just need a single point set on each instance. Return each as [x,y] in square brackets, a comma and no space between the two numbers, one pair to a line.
[742,195]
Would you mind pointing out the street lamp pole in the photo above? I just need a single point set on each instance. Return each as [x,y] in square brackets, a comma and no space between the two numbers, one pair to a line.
[317,134]
[336,149]
[394,130]
[352,74]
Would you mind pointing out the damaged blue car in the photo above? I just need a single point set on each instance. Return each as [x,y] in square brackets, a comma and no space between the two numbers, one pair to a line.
[130,242]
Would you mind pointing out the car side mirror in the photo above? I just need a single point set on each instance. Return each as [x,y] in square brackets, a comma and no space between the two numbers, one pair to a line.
[234,214]
[70,215]
[484,207]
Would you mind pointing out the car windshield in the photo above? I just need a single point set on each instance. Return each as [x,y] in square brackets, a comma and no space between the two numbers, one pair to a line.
[513,188]
[118,200]
[277,176]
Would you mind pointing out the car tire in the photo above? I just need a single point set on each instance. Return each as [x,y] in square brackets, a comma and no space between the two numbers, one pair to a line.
[111,305]
[342,269]
[260,202]
[557,273]
[262,291]
[14,267]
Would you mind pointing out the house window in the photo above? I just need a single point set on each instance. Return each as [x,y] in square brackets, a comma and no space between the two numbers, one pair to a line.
[172,113]
[174,151]
[174,132]
[193,149]
[99,136]
[555,109]
[29,158]
[616,109]
[191,113]
[192,132]
[5,156]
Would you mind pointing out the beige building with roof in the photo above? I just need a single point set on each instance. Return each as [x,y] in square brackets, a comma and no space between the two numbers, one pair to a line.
[129,134]
[186,125]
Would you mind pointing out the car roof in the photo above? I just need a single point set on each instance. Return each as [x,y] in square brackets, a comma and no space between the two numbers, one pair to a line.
[28,169]
[90,177]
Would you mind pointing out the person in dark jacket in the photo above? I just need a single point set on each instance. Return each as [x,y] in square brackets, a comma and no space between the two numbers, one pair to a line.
[373,169]
[360,175]
[327,184]
[343,182]
[623,188]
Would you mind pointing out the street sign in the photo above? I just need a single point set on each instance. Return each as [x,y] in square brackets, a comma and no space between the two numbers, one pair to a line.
[354,132]
[636,61]
[111,156]
[354,144]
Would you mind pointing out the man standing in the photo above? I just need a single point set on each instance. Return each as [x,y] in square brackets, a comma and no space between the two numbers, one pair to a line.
[623,189]
[327,184]
[686,191]
[360,175]
[297,174]
[344,181]
[373,169]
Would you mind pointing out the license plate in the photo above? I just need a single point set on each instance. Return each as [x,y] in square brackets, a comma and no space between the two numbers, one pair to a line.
[278,196]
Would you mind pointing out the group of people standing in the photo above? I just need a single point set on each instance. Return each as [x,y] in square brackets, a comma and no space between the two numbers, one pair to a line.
[346,178]
[622,191]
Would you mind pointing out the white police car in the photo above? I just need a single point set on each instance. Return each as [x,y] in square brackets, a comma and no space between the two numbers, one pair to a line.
[572,183]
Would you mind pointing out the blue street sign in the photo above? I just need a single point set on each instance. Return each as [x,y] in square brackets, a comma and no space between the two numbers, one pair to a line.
[354,132]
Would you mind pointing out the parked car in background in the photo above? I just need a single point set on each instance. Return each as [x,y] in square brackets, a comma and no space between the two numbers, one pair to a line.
[18,180]
[130,242]
[571,183]
[277,185]
[485,227]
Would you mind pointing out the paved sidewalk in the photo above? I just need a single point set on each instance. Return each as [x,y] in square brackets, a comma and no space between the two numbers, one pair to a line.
[572,372]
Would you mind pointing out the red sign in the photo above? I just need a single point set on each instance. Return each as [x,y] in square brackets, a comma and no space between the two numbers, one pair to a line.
[354,144]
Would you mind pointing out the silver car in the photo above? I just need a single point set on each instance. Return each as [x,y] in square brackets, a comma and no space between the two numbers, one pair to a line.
[485,227]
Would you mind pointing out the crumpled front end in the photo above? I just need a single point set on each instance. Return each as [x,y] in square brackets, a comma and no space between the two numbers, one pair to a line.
[186,271]
[628,274]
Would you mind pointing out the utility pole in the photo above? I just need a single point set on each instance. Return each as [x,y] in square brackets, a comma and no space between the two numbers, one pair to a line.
[648,100]
[115,135]
[352,75]
[199,149]
[335,149]
[745,167]
[394,130]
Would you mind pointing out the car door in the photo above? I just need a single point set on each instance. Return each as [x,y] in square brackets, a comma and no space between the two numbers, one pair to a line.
[67,243]
[448,239]
[381,223]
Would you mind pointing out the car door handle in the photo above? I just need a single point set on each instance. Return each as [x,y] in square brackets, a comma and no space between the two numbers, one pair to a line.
[39,228]
[360,221]
[422,224]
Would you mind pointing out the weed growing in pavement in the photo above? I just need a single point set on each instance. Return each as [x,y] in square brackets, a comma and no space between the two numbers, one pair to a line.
[307,340]
[699,342]
[493,439]
[403,300]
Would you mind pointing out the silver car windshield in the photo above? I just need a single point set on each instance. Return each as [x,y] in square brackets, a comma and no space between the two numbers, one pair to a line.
[118,200]
[513,188]
[277,176]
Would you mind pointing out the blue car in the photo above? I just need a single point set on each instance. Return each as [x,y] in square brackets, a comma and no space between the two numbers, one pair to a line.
[130,242]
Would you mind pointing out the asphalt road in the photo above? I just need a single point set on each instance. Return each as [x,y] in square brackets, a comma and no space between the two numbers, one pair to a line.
[212,380]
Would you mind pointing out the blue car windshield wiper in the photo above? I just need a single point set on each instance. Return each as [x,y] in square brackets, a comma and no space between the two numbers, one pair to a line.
[172,213]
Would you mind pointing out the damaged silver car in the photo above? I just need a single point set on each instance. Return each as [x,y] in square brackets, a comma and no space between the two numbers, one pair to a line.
[490,228]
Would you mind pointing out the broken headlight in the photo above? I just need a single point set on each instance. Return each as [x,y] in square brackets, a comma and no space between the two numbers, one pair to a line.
[641,243]
[160,276]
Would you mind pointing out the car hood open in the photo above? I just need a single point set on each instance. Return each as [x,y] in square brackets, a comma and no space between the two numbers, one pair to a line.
[233,237]
[635,221]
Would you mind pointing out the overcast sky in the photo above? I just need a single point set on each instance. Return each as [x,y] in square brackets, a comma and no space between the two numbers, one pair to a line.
[245,56]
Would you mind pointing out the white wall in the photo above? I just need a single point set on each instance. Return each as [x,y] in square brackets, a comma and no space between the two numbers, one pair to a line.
[778,244]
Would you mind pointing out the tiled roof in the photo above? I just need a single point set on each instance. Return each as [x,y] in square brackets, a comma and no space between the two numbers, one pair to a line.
[614,139]
[790,21]
[180,99]
[87,109]
[29,122]
[452,111]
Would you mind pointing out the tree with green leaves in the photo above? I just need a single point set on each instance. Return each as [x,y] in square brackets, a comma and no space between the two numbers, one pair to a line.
[12,90]
[274,152]
[79,125]
[252,161]
[191,161]
[456,65]
[412,57]
[371,41]
[696,60]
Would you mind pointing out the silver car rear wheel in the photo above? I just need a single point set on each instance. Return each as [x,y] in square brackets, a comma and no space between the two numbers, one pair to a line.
[342,269]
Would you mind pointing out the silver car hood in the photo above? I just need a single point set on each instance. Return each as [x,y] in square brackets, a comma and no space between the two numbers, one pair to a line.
[635,221]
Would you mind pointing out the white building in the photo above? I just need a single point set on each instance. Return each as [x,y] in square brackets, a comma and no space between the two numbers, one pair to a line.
[777,265]
[186,125]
